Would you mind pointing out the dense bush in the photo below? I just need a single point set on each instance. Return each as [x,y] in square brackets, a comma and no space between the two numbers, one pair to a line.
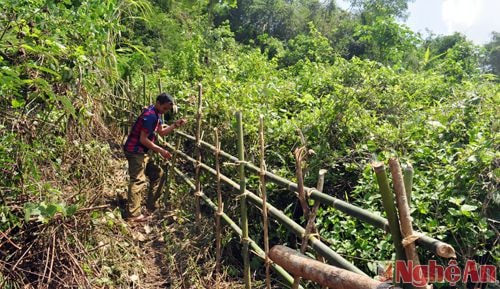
[358,92]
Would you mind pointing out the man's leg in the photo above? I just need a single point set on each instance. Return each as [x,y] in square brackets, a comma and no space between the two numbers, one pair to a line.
[156,180]
[136,171]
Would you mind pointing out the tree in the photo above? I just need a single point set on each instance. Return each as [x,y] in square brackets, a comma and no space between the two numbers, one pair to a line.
[384,40]
[371,9]
[493,54]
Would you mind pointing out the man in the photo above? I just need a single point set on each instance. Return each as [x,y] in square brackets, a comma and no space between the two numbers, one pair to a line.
[139,142]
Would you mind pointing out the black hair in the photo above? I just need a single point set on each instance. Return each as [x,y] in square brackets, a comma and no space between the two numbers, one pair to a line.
[163,98]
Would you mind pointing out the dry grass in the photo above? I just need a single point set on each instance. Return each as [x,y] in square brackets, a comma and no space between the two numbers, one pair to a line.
[96,248]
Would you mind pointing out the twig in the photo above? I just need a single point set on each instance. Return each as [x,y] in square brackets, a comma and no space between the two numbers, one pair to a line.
[92,208]
[53,254]
[9,240]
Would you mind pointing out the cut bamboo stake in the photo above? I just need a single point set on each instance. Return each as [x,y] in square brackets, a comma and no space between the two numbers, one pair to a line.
[263,194]
[243,201]
[299,157]
[316,244]
[435,246]
[219,206]
[198,154]
[258,251]
[389,208]
[404,214]
[317,203]
[168,173]
[160,90]
[408,180]
[144,96]
[325,275]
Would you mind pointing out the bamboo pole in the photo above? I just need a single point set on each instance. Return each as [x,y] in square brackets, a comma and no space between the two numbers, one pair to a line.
[312,217]
[311,227]
[144,95]
[325,275]
[440,248]
[404,214]
[263,194]
[316,244]
[299,157]
[219,206]
[243,200]
[168,173]
[257,250]
[160,90]
[198,154]
[408,180]
[389,208]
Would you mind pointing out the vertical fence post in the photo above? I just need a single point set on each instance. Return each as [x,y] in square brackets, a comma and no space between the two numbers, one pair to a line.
[389,208]
[130,103]
[405,218]
[317,203]
[160,90]
[299,158]
[144,94]
[198,154]
[243,201]
[408,180]
[218,214]
[170,173]
[262,186]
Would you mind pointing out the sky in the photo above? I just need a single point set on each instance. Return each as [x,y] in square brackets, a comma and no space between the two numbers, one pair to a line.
[476,19]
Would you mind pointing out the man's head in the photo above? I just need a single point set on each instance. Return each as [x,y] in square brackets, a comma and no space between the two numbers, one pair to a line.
[164,103]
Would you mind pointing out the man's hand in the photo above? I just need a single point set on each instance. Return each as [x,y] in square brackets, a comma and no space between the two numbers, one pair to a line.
[180,122]
[165,154]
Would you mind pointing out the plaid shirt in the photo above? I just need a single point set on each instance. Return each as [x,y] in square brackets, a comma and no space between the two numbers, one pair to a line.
[149,121]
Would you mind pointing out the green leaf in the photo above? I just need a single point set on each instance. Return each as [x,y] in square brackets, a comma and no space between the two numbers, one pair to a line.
[17,103]
[427,55]
[71,210]
[468,208]
[457,201]
[51,210]
[68,106]
[45,69]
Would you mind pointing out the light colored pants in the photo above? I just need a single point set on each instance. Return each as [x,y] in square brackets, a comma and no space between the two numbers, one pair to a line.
[140,166]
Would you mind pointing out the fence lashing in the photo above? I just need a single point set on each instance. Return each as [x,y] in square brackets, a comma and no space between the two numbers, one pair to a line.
[316,244]
[434,246]
[256,249]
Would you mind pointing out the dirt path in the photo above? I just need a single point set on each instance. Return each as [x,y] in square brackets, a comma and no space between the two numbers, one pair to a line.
[167,251]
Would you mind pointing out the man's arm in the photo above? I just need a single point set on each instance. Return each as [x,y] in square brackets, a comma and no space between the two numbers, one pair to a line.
[164,131]
[145,141]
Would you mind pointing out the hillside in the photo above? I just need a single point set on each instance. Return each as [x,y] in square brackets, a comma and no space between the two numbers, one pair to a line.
[354,86]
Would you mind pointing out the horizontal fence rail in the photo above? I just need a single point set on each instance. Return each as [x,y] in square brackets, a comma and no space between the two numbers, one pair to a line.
[435,246]
[320,247]
[258,250]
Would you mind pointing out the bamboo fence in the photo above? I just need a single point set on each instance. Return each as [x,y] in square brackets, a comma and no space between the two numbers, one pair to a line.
[247,197]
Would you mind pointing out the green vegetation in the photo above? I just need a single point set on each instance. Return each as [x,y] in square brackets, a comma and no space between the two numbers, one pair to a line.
[359,86]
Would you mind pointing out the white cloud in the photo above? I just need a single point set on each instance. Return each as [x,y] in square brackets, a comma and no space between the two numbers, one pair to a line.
[474,18]
[461,15]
